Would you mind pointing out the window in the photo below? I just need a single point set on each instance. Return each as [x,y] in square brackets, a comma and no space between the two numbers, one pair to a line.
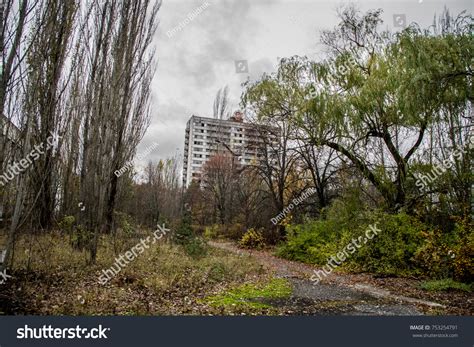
[197,162]
[197,155]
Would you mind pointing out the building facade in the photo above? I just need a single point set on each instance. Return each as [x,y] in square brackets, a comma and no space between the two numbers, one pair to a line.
[206,137]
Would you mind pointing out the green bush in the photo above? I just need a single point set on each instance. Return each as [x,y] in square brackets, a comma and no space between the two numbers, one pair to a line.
[252,239]
[184,232]
[403,246]
[390,252]
[195,247]
[309,242]
[66,224]
[211,232]
[81,238]
[184,236]
[449,254]
[124,222]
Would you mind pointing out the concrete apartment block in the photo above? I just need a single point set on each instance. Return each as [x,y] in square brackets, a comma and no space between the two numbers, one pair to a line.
[206,137]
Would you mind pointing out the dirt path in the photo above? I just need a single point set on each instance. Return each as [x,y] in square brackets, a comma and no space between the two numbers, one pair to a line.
[337,293]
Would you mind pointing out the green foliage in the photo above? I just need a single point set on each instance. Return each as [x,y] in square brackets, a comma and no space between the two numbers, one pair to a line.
[250,296]
[195,247]
[406,86]
[448,254]
[305,242]
[211,232]
[81,238]
[392,251]
[184,236]
[184,232]
[347,210]
[66,224]
[445,284]
[253,238]
[124,222]
[403,246]
[462,246]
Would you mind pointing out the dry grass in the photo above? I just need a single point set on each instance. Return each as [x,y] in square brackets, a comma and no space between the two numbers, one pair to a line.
[51,277]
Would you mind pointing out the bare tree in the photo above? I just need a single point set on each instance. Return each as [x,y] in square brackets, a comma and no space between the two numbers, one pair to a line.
[221,104]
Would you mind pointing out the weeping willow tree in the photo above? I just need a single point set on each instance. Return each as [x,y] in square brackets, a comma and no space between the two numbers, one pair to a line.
[381,102]
[377,109]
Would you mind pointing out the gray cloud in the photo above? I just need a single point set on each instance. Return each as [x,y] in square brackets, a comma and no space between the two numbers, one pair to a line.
[199,59]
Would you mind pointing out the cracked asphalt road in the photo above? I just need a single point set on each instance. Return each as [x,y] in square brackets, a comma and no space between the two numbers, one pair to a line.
[335,294]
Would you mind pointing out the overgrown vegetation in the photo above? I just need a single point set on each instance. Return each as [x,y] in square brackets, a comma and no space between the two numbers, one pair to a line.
[404,245]
[382,130]
[163,280]
[252,239]
[444,285]
[193,245]
[251,297]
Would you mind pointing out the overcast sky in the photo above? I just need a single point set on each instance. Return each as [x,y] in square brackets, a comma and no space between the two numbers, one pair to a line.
[200,58]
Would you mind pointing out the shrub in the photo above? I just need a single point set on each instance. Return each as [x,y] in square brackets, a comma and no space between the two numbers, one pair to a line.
[66,224]
[195,247]
[184,236]
[450,254]
[211,232]
[184,232]
[124,222]
[463,249]
[252,239]
[403,246]
[392,251]
[305,242]
[81,238]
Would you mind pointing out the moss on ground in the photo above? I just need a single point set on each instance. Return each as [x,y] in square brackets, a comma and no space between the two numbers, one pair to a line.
[252,295]
[445,284]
